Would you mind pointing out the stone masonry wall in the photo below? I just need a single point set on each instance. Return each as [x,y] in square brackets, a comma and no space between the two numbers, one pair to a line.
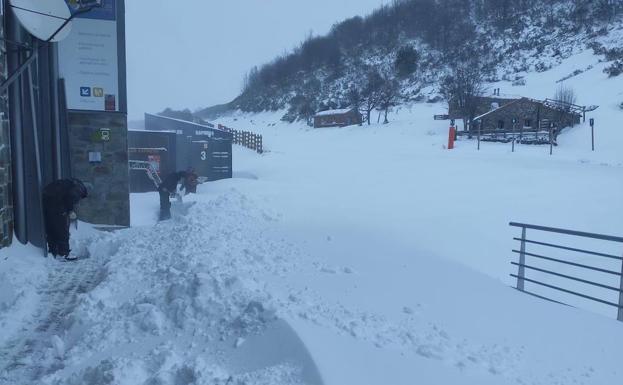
[523,110]
[6,188]
[104,133]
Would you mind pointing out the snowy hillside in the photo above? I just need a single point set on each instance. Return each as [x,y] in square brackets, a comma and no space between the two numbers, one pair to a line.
[363,255]
[412,43]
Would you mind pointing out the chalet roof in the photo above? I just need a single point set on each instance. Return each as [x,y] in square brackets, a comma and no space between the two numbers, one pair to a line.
[206,126]
[503,96]
[545,104]
[499,108]
[334,112]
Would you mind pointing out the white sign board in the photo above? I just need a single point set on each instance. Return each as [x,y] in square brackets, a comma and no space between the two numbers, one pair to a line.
[89,62]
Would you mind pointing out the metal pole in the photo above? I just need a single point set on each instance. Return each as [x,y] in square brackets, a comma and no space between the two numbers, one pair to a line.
[479,128]
[56,112]
[593,136]
[522,261]
[35,133]
[15,62]
[514,136]
[620,313]
[551,140]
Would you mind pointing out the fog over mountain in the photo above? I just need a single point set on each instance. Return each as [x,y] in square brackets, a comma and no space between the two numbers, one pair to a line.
[194,53]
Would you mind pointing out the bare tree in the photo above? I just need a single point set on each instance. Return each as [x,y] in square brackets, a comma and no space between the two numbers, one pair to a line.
[565,95]
[371,92]
[463,88]
[389,95]
[354,98]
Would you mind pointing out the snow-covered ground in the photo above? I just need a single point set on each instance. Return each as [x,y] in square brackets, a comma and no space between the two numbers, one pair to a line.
[362,255]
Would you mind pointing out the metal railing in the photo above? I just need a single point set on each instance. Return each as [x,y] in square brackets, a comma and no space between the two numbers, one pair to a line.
[523,265]
[148,167]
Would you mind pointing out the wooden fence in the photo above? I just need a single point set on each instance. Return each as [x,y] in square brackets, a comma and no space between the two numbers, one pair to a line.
[246,139]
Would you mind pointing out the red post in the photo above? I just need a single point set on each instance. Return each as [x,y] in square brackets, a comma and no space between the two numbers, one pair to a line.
[451,135]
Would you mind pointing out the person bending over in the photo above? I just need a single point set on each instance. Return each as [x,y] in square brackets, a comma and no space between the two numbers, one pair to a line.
[59,200]
[167,188]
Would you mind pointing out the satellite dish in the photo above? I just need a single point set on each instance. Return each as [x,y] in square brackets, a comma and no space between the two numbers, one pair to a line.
[43,19]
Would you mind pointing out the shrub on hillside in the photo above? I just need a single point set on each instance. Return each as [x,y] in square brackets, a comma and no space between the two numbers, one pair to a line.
[406,61]
[186,114]
[615,69]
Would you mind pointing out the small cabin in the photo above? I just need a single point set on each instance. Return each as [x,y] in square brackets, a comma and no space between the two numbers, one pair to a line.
[527,115]
[337,118]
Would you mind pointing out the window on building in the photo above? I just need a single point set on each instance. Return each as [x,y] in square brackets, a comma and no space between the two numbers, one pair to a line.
[500,124]
[527,123]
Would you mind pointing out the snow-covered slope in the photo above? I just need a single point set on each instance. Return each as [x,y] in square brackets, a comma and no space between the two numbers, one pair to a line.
[363,255]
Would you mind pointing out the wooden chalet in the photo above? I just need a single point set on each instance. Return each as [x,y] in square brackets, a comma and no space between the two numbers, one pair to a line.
[337,118]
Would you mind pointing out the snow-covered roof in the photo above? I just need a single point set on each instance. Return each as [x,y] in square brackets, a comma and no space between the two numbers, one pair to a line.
[497,109]
[504,96]
[206,125]
[155,131]
[334,112]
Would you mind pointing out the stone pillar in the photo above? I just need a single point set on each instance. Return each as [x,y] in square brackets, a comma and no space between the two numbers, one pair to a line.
[6,189]
[99,155]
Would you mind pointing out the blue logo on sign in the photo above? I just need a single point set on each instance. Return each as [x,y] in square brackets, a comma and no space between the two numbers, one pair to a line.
[85,91]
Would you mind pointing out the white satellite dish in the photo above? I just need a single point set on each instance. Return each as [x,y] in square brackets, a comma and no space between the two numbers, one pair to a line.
[43,18]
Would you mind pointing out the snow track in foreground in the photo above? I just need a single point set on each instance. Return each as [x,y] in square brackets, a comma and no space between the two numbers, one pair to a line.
[39,350]
[178,303]
[209,297]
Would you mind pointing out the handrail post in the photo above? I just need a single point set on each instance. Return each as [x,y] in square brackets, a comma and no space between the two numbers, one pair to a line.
[620,314]
[522,261]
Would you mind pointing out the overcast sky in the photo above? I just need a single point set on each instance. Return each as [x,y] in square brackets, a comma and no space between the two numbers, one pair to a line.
[193,53]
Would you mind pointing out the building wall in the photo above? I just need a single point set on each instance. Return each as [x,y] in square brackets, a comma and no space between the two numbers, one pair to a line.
[484,104]
[109,203]
[188,155]
[148,146]
[337,120]
[523,110]
[6,188]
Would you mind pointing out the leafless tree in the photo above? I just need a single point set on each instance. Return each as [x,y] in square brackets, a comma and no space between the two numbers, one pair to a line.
[565,95]
[389,95]
[463,87]
[371,92]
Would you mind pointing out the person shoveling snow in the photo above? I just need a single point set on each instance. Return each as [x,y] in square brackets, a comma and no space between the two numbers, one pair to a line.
[59,200]
[169,186]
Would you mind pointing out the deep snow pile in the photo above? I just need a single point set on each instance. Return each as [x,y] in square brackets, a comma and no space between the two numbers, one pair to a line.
[168,296]
[18,300]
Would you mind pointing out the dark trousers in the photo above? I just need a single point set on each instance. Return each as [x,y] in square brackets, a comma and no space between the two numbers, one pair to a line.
[56,228]
[165,204]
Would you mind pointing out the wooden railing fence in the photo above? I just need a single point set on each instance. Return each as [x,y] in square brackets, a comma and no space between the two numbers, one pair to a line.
[246,139]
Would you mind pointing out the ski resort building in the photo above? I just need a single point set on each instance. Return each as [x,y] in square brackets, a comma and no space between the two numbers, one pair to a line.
[167,145]
[498,114]
[481,105]
[337,118]
[58,117]
[526,114]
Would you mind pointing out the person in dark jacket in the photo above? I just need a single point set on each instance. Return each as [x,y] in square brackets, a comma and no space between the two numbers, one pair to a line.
[59,201]
[167,188]
[190,182]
